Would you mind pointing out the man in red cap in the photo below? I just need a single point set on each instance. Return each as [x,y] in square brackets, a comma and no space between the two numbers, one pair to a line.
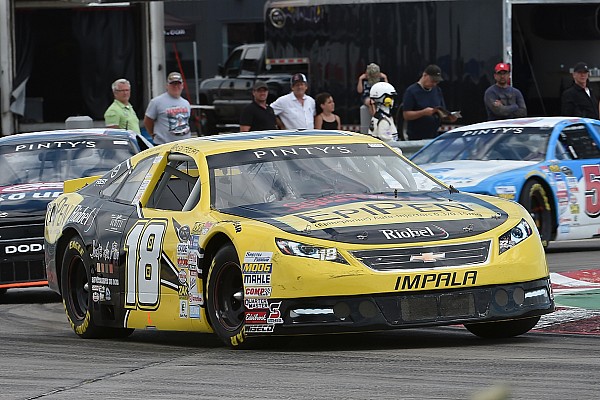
[579,100]
[502,101]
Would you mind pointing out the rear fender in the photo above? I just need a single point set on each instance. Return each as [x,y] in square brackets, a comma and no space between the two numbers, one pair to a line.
[74,185]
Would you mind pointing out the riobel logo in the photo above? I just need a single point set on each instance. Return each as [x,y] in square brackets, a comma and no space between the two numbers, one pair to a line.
[409,233]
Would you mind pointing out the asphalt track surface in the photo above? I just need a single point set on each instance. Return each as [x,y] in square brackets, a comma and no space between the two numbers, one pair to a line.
[41,358]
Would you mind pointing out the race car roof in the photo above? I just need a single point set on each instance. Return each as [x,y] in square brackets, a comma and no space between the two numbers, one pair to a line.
[532,122]
[229,142]
[67,134]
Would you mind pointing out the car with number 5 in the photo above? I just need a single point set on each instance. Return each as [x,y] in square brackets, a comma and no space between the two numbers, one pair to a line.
[550,165]
[275,233]
[34,166]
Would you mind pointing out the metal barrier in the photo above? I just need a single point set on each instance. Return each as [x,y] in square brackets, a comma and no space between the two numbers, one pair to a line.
[409,147]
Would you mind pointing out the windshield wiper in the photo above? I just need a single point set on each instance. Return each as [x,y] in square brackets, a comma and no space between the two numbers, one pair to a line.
[310,196]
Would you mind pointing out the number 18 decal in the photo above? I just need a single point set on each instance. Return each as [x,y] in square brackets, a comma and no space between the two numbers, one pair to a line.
[142,277]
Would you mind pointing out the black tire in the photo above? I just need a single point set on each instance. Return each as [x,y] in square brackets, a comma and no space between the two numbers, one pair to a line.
[536,200]
[225,303]
[2,291]
[77,296]
[502,329]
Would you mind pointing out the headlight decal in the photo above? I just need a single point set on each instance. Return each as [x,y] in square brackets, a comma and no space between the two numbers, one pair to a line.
[514,236]
[291,248]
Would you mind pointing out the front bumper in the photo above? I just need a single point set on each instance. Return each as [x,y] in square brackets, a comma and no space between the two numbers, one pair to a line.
[404,310]
[22,256]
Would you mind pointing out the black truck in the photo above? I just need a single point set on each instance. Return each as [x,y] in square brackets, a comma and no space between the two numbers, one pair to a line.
[223,97]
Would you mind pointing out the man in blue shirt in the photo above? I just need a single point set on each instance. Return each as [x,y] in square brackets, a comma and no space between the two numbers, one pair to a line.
[424,107]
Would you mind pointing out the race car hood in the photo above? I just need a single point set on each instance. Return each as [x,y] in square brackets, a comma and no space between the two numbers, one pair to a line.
[372,219]
[466,173]
[27,200]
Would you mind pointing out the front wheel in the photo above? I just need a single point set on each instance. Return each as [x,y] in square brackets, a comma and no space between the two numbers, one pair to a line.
[225,298]
[77,293]
[535,199]
[502,329]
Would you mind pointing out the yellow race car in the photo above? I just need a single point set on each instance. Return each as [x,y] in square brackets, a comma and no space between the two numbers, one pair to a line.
[289,232]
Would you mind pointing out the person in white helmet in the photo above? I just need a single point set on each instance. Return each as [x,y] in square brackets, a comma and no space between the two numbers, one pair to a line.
[382,124]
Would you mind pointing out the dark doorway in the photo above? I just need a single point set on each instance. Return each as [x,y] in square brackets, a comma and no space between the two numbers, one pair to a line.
[71,56]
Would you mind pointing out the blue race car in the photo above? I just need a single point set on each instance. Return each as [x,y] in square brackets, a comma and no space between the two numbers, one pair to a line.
[34,166]
[551,165]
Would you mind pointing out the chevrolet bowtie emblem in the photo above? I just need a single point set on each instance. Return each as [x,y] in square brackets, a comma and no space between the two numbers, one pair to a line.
[362,236]
[428,257]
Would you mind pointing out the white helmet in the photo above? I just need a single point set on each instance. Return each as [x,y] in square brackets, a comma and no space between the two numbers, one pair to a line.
[384,93]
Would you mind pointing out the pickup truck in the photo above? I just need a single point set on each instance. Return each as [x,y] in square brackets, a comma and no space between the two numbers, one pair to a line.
[223,97]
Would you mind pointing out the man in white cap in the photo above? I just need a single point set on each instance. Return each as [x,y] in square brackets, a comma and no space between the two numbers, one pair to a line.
[167,116]
[295,110]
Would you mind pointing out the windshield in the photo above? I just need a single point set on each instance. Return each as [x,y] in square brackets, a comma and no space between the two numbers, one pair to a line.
[284,174]
[528,144]
[60,160]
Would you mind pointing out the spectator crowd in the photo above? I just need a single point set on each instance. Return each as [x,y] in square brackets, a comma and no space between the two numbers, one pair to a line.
[422,106]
